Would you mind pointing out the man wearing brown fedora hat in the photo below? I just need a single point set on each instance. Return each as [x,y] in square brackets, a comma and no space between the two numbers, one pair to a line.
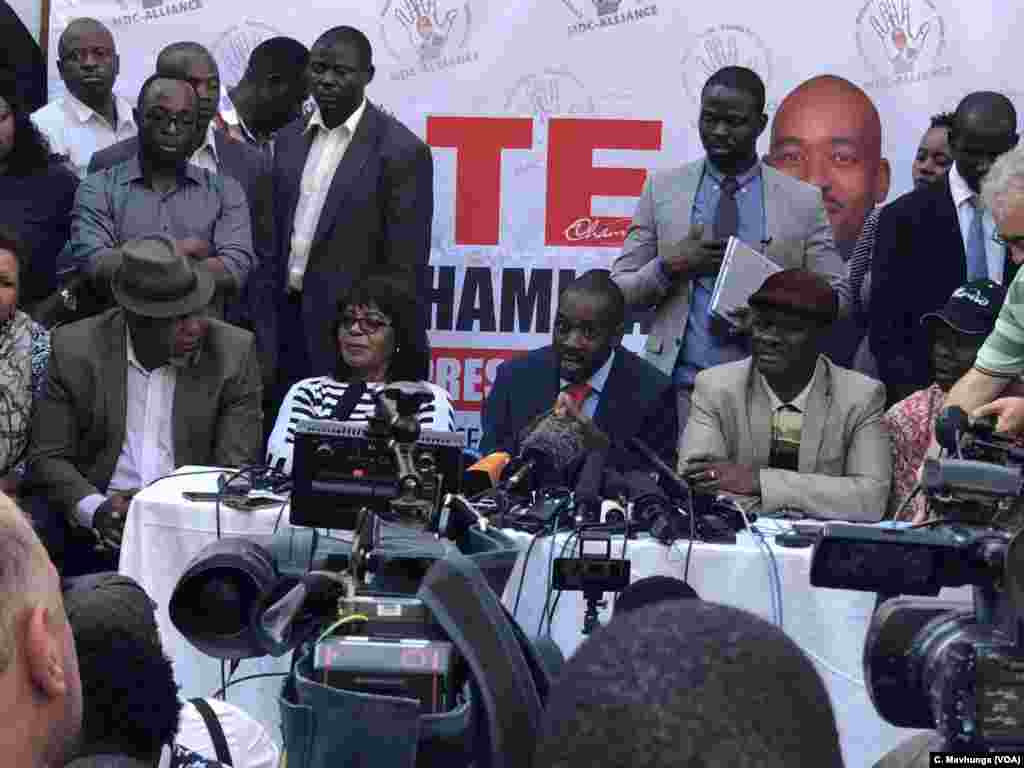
[133,393]
[787,425]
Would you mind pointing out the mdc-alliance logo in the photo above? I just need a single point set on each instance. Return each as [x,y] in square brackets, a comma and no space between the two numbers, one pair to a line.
[599,14]
[137,11]
[901,41]
[427,35]
[721,46]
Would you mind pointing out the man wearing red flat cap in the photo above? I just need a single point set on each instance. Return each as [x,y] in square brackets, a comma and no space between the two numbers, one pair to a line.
[788,425]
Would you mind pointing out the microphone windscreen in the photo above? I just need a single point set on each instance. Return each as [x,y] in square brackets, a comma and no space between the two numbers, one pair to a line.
[949,425]
[554,442]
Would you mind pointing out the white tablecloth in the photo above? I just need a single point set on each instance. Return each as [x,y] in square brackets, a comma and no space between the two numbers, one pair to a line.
[163,533]
[828,624]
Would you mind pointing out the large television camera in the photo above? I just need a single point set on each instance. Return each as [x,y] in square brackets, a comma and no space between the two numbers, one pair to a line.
[939,664]
[400,638]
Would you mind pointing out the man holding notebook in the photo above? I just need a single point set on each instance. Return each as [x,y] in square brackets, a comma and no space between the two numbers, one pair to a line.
[683,221]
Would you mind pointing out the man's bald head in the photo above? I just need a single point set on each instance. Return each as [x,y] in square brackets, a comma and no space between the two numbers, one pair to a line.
[23,570]
[827,132]
[40,689]
[984,127]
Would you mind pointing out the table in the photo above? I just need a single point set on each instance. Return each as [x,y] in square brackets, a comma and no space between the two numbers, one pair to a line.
[164,532]
[162,535]
[828,624]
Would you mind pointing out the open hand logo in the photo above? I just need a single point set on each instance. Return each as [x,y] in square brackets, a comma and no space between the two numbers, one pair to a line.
[900,39]
[606,7]
[427,26]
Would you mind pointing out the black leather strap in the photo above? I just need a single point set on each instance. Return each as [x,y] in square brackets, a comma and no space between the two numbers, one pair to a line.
[353,394]
[220,743]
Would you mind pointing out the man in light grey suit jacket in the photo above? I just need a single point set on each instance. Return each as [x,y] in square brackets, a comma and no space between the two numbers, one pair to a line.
[685,215]
[788,425]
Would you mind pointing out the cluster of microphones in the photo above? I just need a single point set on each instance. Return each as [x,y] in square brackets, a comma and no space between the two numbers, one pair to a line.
[623,487]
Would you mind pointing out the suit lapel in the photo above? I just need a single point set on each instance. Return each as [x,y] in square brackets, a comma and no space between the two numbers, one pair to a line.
[946,220]
[772,199]
[819,399]
[613,409]
[758,419]
[189,386]
[292,159]
[688,190]
[115,358]
[356,155]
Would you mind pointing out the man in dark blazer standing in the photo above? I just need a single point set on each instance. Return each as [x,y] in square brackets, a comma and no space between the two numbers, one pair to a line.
[587,374]
[132,394]
[933,240]
[216,151]
[353,188]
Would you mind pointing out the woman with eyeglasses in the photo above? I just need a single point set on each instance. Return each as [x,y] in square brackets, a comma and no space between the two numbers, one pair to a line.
[37,192]
[381,337]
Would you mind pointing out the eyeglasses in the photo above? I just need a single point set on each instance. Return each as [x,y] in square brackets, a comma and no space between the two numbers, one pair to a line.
[78,55]
[1009,241]
[164,119]
[369,325]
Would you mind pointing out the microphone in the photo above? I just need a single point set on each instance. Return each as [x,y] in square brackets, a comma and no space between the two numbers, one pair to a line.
[682,487]
[588,486]
[951,423]
[486,472]
[546,452]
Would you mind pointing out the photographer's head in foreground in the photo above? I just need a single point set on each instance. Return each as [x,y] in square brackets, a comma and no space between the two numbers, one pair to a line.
[688,683]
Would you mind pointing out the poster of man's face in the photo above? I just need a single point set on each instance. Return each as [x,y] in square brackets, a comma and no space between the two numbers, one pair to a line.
[827,132]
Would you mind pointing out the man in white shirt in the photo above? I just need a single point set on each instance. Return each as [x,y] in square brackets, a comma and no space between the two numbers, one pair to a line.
[133,393]
[353,189]
[90,116]
[933,240]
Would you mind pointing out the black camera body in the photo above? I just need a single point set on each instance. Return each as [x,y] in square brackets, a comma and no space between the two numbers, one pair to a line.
[954,667]
[389,465]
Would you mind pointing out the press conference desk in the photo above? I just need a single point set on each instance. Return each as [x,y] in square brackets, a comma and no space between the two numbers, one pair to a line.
[164,532]
[828,624]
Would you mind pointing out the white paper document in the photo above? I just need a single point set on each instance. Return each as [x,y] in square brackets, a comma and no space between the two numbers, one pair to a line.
[742,273]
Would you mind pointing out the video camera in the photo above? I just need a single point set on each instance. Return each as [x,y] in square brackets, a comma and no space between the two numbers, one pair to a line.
[941,664]
[406,621]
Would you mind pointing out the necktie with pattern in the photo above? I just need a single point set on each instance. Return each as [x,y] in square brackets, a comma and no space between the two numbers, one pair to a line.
[977,262]
[727,217]
[578,392]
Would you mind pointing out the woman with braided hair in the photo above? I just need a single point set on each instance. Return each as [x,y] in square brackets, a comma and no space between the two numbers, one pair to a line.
[24,350]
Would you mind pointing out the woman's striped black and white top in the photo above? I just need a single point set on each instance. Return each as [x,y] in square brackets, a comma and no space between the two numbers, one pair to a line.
[318,397]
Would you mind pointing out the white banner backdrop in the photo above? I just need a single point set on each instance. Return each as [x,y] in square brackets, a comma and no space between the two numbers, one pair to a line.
[544,115]
[553,109]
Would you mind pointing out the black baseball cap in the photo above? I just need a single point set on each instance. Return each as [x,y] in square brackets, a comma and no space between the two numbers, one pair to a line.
[972,309]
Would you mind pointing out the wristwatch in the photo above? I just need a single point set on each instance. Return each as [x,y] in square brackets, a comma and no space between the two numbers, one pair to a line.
[69,299]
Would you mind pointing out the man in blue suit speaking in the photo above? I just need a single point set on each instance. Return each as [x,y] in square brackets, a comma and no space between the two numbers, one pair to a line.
[585,374]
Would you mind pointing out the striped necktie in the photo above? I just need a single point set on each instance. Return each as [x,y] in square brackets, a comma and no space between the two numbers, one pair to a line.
[977,261]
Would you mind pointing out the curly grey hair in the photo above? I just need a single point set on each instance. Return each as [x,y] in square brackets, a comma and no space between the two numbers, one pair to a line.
[1003,185]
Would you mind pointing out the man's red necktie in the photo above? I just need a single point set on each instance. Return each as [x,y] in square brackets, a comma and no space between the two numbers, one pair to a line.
[578,392]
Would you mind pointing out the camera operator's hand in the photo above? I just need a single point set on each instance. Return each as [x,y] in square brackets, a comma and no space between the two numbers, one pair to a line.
[708,475]
[1009,413]
[694,256]
[110,518]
